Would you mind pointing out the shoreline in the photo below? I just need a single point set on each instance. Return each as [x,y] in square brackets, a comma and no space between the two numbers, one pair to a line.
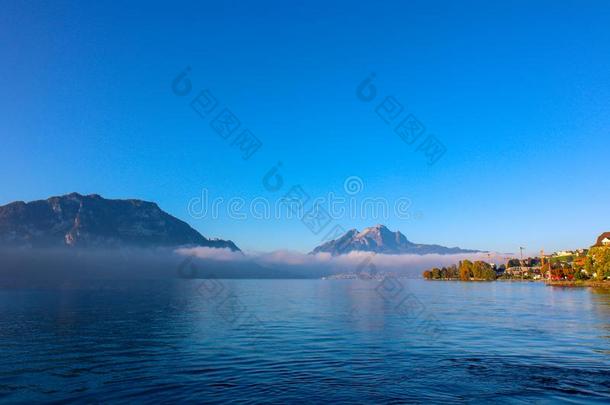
[552,283]
[579,283]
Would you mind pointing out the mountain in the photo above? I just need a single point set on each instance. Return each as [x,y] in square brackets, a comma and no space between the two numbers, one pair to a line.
[380,239]
[75,220]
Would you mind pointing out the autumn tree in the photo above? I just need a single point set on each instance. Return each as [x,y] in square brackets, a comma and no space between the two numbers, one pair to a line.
[436,273]
[465,270]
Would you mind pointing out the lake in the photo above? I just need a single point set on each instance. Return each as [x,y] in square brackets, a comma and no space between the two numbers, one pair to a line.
[286,341]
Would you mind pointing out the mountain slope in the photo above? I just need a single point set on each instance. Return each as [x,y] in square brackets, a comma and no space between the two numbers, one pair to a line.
[75,220]
[380,239]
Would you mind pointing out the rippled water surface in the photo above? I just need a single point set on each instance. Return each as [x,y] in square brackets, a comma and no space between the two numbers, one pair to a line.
[285,341]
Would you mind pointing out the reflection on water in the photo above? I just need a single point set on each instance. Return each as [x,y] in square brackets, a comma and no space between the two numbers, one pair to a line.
[284,340]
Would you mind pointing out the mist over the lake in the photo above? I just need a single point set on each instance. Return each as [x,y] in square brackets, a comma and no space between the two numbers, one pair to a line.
[201,262]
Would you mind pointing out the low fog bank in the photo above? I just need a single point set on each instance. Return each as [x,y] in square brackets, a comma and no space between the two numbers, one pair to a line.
[323,264]
[18,265]
[124,264]
[61,264]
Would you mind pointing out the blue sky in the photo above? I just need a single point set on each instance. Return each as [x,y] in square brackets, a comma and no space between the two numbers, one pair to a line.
[517,93]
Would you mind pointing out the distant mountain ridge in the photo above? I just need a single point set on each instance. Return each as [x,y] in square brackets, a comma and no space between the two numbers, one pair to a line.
[76,220]
[380,239]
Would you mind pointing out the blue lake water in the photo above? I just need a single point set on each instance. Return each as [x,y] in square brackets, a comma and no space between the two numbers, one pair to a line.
[286,341]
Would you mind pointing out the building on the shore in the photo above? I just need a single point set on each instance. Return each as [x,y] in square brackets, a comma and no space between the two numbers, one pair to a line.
[563,253]
[603,239]
[523,271]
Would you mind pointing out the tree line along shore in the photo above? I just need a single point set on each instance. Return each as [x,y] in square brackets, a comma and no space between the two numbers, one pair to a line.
[582,267]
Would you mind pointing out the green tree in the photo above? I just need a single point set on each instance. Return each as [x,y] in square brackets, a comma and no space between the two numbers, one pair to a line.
[581,275]
[444,273]
[483,271]
[513,263]
[604,263]
[600,256]
[452,272]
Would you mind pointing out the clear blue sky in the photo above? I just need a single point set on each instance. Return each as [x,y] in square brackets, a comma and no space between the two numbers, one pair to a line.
[519,93]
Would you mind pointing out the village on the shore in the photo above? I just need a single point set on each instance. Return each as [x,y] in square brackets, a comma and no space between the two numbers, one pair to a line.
[581,266]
